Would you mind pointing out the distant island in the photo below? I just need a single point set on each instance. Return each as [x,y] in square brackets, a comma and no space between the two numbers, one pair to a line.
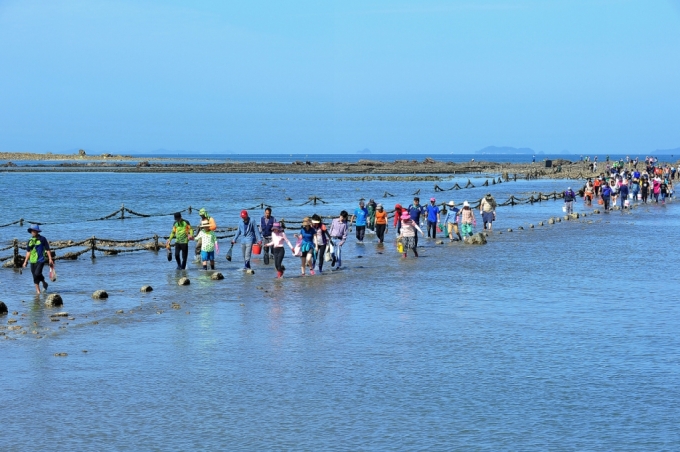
[364,151]
[506,150]
[668,151]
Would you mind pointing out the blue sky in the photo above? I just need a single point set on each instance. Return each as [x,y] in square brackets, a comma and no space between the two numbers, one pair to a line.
[595,76]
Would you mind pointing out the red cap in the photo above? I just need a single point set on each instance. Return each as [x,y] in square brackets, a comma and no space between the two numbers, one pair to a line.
[244,214]
[398,206]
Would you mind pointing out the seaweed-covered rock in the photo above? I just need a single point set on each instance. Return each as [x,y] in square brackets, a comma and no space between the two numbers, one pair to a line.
[146,289]
[184,282]
[100,295]
[217,276]
[54,300]
[476,239]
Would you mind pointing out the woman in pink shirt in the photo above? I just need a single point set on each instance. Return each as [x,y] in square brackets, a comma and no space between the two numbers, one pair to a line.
[278,239]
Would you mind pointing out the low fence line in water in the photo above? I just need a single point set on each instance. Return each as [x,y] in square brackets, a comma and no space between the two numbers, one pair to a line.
[107,246]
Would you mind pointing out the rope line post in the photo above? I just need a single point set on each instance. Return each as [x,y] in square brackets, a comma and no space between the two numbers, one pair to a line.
[15,244]
[155,242]
[93,246]
[122,211]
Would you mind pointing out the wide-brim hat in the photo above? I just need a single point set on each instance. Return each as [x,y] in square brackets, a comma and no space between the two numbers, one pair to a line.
[452,204]
[276,226]
[405,216]
[205,224]
[34,227]
[316,221]
[466,204]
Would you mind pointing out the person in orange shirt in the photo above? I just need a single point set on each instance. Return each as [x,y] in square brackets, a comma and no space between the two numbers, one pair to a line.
[380,223]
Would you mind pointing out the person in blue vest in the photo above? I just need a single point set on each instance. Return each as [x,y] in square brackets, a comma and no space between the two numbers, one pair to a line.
[569,197]
[359,219]
[606,196]
[415,210]
[38,253]
[249,234]
[266,223]
[623,193]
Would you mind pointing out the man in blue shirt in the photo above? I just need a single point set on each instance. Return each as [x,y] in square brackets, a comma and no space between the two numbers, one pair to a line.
[432,218]
[266,224]
[360,216]
[414,211]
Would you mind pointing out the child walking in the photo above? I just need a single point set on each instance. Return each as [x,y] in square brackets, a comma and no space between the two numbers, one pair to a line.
[208,244]
[278,238]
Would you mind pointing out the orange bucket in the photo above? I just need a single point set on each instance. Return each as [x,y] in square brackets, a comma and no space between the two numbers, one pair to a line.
[257,248]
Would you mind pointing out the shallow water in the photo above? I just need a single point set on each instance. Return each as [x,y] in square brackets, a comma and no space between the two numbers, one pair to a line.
[560,337]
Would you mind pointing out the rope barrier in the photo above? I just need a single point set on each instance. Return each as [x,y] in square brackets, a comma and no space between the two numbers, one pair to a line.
[20,222]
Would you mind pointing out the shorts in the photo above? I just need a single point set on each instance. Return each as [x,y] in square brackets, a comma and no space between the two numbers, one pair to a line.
[207,256]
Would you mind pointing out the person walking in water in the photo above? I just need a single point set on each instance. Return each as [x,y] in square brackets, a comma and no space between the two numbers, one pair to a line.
[398,210]
[277,239]
[208,244]
[487,209]
[415,210]
[359,219]
[569,197]
[321,240]
[408,234]
[307,247]
[182,233]
[37,254]
[623,193]
[451,221]
[606,196]
[206,217]
[432,218]
[467,219]
[339,228]
[249,235]
[266,223]
[644,189]
[380,223]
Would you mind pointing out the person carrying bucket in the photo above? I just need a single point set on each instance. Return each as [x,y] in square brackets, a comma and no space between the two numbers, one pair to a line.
[37,253]
[208,244]
[249,235]
[266,223]
[182,233]
[277,239]
[407,236]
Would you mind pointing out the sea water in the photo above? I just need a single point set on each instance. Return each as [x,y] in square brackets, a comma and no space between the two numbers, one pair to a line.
[560,337]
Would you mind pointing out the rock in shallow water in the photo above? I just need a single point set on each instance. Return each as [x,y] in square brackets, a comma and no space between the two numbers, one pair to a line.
[217,276]
[184,282]
[476,239]
[100,295]
[3,308]
[54,300]
[146,289]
